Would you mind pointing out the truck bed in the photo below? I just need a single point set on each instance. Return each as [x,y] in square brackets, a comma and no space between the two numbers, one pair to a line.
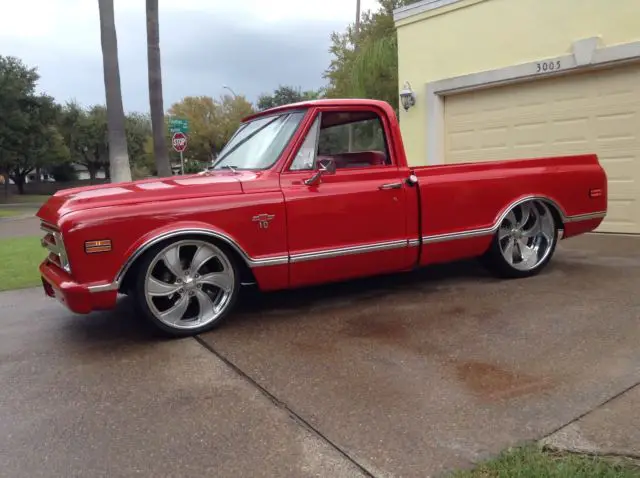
[467,201]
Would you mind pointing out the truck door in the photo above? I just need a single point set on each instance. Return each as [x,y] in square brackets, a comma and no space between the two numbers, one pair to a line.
[351,221]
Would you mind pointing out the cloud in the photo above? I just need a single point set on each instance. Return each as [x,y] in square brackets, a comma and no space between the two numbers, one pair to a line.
[205,44]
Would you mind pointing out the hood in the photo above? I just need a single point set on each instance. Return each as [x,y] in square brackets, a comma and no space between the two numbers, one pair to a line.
[146,190]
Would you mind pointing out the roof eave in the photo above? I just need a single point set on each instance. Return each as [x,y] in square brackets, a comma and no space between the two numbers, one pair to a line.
[414,9]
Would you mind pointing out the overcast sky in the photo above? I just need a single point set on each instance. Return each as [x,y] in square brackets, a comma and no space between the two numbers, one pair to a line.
[250,45]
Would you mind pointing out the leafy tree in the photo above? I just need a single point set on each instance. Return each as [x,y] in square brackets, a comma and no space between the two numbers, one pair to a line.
[120,168]
[365,62]
[284,95]
[163,167]
[211,122]
[29,138]
[41,144]
[85,133]
[17,86]
[64,172]
[232,110]
[192,166]
[138,129]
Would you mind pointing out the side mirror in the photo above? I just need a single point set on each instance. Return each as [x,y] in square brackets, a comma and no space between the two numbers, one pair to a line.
[325,166]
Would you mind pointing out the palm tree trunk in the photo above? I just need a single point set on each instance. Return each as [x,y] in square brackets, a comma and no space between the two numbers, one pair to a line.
[156,105]
[118,153]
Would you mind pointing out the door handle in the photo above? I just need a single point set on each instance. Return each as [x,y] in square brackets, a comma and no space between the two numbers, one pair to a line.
[390,186]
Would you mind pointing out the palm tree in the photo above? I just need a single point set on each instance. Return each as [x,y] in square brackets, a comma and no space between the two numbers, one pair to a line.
[160,149]
[356,39]
[357,19]
[119,167]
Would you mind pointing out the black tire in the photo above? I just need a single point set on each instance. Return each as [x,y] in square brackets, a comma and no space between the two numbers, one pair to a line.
[138,292]
[497,264]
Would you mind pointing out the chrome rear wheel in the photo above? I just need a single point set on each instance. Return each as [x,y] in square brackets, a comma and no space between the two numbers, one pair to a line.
[525,240]
[187,286]
[527,235]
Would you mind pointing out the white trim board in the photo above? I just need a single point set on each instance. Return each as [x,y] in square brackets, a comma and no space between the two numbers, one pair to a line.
[586,56]
[420,7]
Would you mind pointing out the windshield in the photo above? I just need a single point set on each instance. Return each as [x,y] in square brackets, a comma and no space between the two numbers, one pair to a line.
[257,144]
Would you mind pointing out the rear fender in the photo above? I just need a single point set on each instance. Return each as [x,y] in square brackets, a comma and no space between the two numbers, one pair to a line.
[557,210]
[474,242]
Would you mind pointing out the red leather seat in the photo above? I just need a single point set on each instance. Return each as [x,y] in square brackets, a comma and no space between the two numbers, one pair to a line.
[359,159]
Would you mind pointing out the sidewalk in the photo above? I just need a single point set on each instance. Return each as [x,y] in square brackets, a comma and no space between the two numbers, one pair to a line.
[17,226]
[23,205]
[612,429]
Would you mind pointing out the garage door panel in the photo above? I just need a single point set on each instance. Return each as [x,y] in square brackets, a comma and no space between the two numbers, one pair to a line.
[618,166]
[572,131]
[531,135]
[617,130]
[622,216]
[590,112]
[494,138]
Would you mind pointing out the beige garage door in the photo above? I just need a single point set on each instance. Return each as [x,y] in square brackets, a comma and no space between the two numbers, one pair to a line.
[598,111]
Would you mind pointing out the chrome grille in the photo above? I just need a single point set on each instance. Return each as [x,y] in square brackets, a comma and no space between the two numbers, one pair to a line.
[52,241]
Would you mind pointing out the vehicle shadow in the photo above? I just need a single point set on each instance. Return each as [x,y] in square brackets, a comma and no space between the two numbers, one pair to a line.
[118,327]
[124,325]
[423,279]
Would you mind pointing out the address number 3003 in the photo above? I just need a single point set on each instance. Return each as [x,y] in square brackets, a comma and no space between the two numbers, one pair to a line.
[548,66]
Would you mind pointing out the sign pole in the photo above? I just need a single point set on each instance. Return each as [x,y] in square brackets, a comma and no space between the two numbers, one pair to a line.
[182,162]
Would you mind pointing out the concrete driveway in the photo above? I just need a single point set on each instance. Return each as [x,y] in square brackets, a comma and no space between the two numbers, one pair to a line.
[408,375]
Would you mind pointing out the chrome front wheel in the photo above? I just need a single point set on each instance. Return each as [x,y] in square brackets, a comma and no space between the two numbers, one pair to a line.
[187,286]
[525,240]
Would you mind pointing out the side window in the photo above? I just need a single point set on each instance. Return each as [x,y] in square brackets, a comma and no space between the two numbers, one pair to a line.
[353,139]
[306,157]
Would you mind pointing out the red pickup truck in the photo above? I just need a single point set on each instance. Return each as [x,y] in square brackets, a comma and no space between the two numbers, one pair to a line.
[306,194]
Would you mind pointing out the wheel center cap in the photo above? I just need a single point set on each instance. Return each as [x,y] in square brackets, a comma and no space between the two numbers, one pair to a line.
[189,283]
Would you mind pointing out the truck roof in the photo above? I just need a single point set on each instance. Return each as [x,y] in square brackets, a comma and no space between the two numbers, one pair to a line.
[323,102]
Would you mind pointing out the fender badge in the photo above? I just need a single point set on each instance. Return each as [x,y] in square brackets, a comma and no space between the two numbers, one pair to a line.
[263,220]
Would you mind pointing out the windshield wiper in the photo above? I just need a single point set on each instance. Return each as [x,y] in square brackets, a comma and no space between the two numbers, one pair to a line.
[226,166]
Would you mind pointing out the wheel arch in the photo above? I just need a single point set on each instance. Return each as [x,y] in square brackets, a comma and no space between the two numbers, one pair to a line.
[126,274]
[558,213]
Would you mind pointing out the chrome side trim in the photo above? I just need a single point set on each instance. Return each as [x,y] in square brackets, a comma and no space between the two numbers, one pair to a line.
[487,231]
[346,251]
[586,217]
[103,287]
[342,251]
[251,262]
[269,261]
[451,236]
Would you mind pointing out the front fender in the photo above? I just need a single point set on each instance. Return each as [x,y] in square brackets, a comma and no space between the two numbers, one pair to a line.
[182,228]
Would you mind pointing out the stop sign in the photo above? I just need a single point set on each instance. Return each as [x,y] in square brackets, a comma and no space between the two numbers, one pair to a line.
[179,142]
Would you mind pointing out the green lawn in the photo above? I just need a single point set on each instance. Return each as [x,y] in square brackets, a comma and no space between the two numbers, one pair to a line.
[533,462]
[9,212]
[20,258]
